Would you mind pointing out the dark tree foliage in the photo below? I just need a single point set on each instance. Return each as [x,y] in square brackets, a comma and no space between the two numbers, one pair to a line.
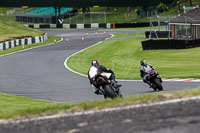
[178,6]
[190,1]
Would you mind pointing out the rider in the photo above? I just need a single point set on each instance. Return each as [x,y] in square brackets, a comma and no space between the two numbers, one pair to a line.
[97,69]
[143,71]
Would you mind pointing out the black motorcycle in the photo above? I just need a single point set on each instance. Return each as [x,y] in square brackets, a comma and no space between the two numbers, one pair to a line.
[154,78]
[107,87]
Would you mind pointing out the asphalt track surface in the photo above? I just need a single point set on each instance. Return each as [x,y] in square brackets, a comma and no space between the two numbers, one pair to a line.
[40,73]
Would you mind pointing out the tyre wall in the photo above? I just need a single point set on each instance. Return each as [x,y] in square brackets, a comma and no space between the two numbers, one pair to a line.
[24,41]
[170,44]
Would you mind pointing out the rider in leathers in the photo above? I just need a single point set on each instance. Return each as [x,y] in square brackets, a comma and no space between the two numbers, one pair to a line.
[143,71]
[97,69]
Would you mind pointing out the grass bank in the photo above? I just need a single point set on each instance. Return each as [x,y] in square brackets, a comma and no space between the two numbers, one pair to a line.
[10,30]
[123,56]
[20,107]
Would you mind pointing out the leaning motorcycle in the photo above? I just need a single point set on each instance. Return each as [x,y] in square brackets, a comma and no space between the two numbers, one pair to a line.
[107,87]
[154,78]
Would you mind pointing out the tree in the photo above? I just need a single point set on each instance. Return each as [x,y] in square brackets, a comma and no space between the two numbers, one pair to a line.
[178,6]
[190,1]
[162,7]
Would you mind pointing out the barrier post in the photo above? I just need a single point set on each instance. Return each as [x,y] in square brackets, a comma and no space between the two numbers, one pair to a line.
[113,26]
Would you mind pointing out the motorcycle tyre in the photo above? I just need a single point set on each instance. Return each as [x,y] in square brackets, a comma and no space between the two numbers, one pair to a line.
[109,92]
[158,84]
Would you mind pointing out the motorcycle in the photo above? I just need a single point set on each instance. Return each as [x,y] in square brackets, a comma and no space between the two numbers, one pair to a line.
[107,88]
[154,78]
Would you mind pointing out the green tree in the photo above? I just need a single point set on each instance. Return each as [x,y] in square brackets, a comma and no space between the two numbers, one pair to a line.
[178,6]
[190,1]
[138,10]
[162,7]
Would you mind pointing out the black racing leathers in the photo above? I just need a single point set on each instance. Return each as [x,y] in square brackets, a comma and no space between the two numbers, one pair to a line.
[143,71]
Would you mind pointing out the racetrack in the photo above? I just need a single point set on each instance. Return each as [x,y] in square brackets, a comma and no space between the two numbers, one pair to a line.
[39,73]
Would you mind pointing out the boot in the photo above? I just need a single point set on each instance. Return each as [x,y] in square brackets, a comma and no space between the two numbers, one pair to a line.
[145,81]
[97,91]
[149,84]
[114,83]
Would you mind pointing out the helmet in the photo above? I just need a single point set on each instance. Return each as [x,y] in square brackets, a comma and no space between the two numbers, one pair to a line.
[95,62]
[142,62]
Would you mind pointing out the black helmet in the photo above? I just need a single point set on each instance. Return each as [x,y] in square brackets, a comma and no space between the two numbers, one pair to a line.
[95,62]
[142,62]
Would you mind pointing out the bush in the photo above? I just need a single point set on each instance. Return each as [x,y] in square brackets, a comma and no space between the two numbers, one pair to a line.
[138,10]
[162,7]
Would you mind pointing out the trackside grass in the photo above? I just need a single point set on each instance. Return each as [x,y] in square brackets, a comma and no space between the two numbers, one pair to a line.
[18,107]
[10,30]
[11,106]
[119,35]
[123,56]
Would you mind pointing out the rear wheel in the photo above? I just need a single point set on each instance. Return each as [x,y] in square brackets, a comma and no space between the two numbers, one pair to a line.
[158,84]
[109,91]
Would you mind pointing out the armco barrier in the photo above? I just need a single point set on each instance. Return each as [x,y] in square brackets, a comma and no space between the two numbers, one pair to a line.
[24,41]
[95,25]
[170,44]
[73,26]
[137,24]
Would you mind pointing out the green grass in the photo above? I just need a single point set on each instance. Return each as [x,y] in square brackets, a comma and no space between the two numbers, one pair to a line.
[21,107]
[10,30]
[18,48]
[4,10]
[119,35]
[14,106]
[123,57]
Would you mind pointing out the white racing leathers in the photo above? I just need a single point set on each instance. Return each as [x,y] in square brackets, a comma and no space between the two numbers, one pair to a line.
[98,70]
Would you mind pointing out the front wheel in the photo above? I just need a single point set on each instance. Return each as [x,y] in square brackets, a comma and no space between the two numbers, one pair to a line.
[158,84]
[109,92]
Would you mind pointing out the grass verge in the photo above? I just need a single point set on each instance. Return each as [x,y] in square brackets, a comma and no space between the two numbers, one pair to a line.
[119,35]
[20,107]
[10,30]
